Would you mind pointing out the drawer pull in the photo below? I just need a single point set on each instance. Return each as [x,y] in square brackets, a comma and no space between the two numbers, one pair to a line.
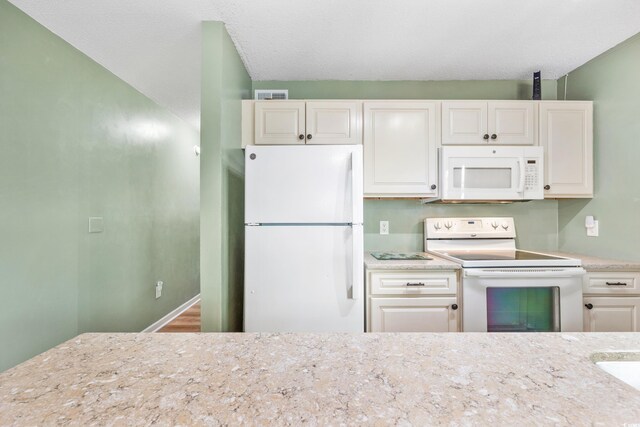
[616,284]
[415,284]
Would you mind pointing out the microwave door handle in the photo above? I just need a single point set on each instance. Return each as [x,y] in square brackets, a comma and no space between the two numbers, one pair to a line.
[521,184]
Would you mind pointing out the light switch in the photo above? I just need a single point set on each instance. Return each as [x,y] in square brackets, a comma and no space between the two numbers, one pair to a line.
[96,224]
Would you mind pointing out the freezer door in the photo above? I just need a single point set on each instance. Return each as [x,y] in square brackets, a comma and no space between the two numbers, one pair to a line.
[309,184]
[301,279]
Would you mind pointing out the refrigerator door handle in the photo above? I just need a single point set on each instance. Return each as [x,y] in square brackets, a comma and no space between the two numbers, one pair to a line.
[356,187]
[358,261]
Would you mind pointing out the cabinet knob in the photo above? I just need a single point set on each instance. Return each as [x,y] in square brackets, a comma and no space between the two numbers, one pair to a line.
[589,306]
[486,136]
[433,186]
[454,306]
[308,136]
[547,187]
[494,136]
[301,137]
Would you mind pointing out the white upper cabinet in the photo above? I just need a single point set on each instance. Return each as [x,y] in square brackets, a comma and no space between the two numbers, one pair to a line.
[489,122]
[512,122]
[334,122]
[279,122]
[300,122]
[400,149]
[464,122]
[566,133]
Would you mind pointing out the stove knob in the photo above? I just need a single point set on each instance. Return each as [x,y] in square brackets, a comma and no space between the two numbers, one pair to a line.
[494,225]
[505,226]
[437,226]
[448,225]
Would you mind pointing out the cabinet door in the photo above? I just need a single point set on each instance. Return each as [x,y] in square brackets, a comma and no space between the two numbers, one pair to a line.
[512,123]
[279,122]
[433,314]
[566,133]
[464,122]
[612,314]
[400,151]
[334,122]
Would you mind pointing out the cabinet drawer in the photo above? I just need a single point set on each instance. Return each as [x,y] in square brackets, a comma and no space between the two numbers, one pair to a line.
[430,314]
[612,283]
[408,283]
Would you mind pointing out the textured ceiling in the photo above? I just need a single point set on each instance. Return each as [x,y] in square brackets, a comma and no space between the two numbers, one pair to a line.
[154,45]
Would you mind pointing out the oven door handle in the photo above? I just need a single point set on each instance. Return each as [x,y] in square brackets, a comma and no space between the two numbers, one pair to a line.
[524,273]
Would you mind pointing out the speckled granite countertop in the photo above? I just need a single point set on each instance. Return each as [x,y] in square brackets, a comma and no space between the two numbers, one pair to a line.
[591,263]
[321,379]
[436,263]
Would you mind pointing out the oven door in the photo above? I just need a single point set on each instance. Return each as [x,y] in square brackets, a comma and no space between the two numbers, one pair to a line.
[522,300]
[491,173]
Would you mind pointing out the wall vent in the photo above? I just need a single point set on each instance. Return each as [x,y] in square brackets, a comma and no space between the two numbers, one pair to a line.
[268,94]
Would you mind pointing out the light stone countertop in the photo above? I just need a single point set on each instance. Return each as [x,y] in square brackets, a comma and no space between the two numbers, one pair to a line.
[591,263]
[436,263]
[321,379]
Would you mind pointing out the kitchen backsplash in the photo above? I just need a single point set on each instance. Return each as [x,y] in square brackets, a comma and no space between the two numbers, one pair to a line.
[536,222]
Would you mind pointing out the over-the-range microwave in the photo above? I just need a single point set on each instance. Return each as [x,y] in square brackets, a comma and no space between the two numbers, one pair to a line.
[491,173]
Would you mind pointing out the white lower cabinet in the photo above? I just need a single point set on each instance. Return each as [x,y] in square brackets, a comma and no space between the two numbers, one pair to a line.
[611,301]
[412,301]
[612,314]
[430,314]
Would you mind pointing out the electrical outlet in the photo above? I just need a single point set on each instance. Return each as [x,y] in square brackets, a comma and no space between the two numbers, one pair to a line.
[384,227]
[159,284]
[593,231]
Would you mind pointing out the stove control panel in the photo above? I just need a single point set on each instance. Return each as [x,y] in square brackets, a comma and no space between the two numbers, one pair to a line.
[470,228]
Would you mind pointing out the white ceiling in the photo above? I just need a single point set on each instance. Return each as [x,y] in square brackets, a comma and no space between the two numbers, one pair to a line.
[154,45]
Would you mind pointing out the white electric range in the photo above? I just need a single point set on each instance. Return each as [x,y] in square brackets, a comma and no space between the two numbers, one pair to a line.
[505,289]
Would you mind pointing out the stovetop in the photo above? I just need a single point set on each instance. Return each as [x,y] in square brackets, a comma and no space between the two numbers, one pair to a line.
[505,259]
[484,242]
[517,255]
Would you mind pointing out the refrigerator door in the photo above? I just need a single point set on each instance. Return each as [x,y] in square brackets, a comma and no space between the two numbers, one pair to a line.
[301,279]
[303,185]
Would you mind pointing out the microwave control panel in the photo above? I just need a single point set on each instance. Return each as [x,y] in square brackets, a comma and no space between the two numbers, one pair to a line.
[531,175]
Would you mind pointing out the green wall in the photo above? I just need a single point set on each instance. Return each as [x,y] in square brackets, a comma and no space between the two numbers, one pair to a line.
[453,89]
[225,82]
[536,221]
[612,81]
[75,142]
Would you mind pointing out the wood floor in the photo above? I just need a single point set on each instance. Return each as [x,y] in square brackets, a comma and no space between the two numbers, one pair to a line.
[189,321]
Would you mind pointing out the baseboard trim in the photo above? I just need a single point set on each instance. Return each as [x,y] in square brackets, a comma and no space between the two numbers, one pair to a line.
[156,326]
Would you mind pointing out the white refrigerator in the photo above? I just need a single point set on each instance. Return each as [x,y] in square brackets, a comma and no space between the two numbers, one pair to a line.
[303,239]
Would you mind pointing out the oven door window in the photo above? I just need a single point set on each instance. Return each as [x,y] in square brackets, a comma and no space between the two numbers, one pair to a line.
[523,309]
